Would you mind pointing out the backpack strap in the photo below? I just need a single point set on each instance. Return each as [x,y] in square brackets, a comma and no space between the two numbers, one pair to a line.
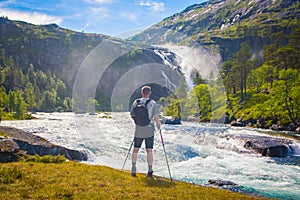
[147,102]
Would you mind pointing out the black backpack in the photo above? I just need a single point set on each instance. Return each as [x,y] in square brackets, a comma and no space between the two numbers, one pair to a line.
[141,116]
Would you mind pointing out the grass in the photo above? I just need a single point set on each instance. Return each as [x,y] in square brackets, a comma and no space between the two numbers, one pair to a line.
[71,180]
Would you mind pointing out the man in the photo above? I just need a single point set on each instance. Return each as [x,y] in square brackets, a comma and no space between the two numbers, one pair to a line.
[145,132]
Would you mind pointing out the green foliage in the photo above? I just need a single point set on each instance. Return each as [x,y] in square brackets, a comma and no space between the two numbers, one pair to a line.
[204,101]
[44,159]
[31,90]
[268,91]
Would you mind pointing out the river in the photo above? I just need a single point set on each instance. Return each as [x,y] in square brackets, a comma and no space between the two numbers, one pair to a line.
[196,152]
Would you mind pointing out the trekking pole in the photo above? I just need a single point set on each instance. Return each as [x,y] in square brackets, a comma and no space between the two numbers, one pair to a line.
[127,154]
[163,144]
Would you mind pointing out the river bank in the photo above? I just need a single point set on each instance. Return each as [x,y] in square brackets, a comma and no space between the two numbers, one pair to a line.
[72,180]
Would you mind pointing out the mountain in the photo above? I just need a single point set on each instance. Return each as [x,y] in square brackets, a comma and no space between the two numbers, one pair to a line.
[255,45]
[222,25]
[44,55]
[46,47]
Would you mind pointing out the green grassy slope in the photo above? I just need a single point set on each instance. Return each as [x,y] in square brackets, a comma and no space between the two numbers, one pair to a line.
[71,180]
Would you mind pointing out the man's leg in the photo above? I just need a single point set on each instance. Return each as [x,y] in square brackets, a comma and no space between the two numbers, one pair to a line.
[149,146]
[137,146]
[134,159]
[149,159]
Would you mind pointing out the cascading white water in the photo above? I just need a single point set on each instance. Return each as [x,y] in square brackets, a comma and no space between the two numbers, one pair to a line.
[196,152]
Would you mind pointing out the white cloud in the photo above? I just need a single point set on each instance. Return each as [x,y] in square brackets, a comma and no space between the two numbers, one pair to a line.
[31,17]
[98,13]
[131,16]
[94,15]
[155,6]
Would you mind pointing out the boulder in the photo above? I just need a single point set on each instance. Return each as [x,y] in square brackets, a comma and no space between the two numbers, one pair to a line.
[276,151]
[231,186]
[18,141]
[265,145]
[268,146]
[220,183]
[8,150]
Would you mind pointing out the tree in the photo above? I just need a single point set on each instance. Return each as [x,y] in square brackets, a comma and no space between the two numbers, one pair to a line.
[11,101]
[30,96]
[198,79]
[91,104]
[230,76]
[48,103]
[67,104]
[284,58]
[241,59]
[263,75]
[289,78]
[20,105]
[182,89]
[204,101]
[3,98]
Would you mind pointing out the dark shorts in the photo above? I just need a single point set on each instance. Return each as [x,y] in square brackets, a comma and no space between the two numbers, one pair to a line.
[148,142]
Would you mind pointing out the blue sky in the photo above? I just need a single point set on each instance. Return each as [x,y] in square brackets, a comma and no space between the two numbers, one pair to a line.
[109,17]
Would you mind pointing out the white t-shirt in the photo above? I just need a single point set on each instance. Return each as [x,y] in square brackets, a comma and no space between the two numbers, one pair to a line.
[153,109]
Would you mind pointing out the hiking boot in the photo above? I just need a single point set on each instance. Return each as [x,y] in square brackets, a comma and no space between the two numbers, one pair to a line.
[133,174]
[150,175]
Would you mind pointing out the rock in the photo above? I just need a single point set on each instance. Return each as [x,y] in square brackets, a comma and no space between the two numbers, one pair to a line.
[219,182]
[8,150]
[265,145]
[298,130]
[238,124]
[276,151]
[9,146]
[231,186]
[19,141]
[268,146]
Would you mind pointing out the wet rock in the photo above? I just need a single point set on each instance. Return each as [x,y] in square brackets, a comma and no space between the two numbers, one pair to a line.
[276,151]
[219,182]
[268,146]
[21,141]
[265,145]
[231,186]
[8,150]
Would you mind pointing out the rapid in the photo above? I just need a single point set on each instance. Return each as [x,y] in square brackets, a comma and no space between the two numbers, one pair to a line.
[196,152]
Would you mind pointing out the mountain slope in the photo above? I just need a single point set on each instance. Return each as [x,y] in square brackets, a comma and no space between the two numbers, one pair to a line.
[46,47]
[225,24]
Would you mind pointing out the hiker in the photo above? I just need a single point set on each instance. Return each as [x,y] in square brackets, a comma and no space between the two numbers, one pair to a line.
[145,132]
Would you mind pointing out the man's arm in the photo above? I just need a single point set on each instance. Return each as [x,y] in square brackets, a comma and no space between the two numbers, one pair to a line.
[156,115]
[156,119]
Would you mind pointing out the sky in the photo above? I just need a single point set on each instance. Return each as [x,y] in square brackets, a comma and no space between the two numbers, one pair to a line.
[109,17]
